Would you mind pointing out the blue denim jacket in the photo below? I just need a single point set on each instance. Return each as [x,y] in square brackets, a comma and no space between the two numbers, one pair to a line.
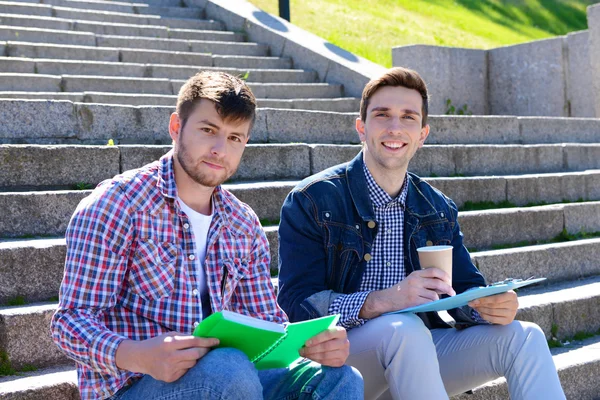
[326,235]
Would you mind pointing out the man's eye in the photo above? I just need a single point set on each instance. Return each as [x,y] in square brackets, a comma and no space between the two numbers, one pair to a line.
[236,139]
[409,117]
[207,130]
[380,115]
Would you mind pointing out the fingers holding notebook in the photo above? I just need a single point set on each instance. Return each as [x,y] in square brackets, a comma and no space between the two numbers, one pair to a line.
[330,348]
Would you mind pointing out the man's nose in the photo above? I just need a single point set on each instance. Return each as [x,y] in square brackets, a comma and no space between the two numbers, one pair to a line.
[219,146]
[395,125]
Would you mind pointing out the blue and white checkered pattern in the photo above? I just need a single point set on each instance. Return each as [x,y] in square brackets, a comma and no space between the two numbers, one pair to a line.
[386,267]
[131,271]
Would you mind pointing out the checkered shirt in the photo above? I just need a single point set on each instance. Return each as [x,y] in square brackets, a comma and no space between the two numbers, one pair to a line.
[131,271]
[386,267]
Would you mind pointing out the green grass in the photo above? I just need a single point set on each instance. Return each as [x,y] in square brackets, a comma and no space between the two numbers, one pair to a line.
[6,368]
[17,301]
[370,28]
[490,205]
[269,222]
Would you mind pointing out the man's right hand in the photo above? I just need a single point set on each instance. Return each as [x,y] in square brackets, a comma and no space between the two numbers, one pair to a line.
[166,357]
[420,287]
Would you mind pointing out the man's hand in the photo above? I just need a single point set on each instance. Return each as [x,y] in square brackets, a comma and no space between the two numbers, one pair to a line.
[498,309]
[420,287]
[330,348]
[166,357]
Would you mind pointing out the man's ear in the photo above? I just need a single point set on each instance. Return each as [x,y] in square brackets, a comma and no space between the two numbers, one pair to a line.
[174,126]
[424,134]
[360,128]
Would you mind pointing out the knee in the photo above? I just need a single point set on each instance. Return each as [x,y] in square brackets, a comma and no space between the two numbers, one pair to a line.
[523,332]
[219,366]
[346,375]
[406,328]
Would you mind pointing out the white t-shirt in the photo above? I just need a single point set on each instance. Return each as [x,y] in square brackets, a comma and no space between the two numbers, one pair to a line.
[200,225]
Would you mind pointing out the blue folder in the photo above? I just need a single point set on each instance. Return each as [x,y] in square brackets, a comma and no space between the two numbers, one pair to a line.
[462,299]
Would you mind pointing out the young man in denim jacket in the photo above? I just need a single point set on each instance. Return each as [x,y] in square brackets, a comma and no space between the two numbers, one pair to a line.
[153,251]
[347,244]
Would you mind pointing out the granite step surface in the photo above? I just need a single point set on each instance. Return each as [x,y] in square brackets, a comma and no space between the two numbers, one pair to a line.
[48,212]
[164,86]
[58,122]
[573,307]
[144,70]
[129,55]
[51,167]
[558,262]
[107,28]
[341,104]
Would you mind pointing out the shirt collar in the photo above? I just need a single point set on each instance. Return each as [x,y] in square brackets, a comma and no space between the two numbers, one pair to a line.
[378,196]
[166,176]
[225,210]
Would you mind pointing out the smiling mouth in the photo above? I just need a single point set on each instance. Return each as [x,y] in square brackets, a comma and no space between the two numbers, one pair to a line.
[393,145]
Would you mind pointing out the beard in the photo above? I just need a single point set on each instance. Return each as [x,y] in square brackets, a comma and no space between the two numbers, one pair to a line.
[192,167]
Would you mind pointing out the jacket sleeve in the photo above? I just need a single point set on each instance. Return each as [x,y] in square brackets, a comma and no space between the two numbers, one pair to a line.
[303,292]
[98,240]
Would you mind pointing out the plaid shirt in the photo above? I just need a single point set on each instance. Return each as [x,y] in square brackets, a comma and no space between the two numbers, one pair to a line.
[386,268]
[131,271]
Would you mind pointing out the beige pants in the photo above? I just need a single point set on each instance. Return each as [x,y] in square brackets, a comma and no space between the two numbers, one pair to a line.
[400,358]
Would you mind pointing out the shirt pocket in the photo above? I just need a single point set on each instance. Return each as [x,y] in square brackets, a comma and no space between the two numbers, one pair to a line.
[152,273]
[233,271]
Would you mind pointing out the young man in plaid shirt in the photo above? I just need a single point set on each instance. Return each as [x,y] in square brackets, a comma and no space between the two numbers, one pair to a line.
[153,251]
[347,244]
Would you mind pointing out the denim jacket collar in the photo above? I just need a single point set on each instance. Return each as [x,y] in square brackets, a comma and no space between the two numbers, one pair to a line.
[357,182]
[416,203]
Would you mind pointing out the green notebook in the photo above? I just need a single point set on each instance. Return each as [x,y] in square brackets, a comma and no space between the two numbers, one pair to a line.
[267,344]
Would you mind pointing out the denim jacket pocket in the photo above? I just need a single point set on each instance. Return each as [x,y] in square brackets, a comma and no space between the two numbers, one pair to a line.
[433,233]
[152,273]
[344,249]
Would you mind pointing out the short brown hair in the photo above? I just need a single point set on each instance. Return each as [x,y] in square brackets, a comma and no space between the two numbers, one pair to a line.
[233,99]
[397,76]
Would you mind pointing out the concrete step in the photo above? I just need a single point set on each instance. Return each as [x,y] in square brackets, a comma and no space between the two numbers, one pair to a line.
[121,14]
[207,41]
[48,212]
[343,104]
[52,167]
[55,383]
[36,35]
[578,368]
[296,161]
[104,28]
[281,126]
[572,307]
[79,83]
[558,262]
[129,55]
[139,70]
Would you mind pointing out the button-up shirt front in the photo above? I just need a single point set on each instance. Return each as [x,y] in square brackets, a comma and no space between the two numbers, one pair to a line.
[385,265]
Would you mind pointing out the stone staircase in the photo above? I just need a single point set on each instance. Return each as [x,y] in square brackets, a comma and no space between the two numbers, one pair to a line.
[76,74]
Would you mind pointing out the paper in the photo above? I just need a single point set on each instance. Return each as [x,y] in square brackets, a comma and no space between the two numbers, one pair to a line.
[462,299]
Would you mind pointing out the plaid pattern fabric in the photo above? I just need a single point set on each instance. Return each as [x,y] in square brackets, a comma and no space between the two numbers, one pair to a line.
[386,267]
[131,271]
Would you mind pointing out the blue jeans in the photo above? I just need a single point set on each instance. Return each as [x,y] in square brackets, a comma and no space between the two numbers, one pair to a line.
[227,374]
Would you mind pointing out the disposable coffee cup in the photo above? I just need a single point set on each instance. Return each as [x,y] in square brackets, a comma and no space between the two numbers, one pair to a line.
[436,256]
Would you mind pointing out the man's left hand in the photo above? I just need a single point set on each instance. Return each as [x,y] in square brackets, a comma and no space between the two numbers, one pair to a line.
[498,309]
[330,348]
